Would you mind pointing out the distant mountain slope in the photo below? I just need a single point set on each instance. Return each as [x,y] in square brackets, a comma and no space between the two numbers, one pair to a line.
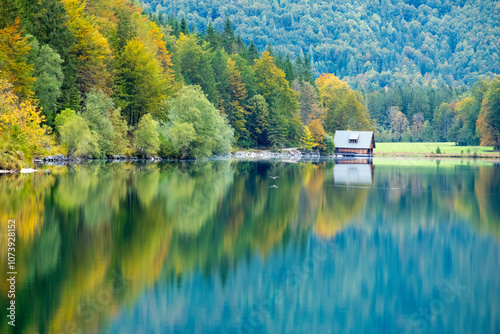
[366,42]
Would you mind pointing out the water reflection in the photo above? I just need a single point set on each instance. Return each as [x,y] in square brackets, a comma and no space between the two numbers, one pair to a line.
[353,174]
[200,246]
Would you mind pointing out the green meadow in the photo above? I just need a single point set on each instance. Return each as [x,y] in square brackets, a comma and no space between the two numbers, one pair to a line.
[427,148]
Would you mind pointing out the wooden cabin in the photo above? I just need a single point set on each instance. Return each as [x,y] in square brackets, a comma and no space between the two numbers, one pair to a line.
[354,143]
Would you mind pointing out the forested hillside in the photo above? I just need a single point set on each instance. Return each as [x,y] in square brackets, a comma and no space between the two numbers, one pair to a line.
[367,43]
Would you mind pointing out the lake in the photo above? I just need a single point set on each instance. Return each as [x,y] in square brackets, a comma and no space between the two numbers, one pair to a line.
[218,246]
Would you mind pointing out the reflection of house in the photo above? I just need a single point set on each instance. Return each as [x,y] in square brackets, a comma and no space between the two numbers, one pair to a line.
[353,174]
[354,143]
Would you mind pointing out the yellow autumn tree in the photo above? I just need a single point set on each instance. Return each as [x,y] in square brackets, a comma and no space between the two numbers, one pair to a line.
[21,133]
[318,133]
[91,49]
[14,67]
[164,57]
[284,118]
[273,85]
[343,106]
[307,139]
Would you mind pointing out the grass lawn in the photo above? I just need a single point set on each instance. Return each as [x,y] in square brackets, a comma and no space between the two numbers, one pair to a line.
[427,148]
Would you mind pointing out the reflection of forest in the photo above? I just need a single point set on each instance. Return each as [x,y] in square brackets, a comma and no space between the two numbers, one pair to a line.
[80,227]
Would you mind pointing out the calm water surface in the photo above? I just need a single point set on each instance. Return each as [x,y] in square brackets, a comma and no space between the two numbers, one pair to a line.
[400,246]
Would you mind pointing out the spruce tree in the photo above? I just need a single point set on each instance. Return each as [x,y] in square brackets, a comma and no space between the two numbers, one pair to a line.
[253,53]
[211,36]
[219,65]
[288,69]
[183,26]
[228,37]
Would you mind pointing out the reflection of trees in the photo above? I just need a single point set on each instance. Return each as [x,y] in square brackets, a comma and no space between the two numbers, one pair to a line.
[339,207]
[488,198]
[22,197]
[431,196]
[331,207]
[151,222]
[189,198]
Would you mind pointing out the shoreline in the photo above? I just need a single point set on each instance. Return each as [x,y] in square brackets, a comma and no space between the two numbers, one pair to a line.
[292,154]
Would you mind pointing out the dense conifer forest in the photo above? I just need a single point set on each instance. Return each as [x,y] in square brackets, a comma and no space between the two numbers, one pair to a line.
[366,43]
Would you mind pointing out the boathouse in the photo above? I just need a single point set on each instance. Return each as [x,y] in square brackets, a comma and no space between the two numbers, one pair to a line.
[354,143]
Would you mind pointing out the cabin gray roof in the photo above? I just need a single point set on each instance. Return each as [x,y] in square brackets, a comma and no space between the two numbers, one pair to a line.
[342,139]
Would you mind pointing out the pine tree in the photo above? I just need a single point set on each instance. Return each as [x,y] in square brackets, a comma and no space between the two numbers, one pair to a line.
[238,95]
[247,75]
[253,53]
[288,69]
[160,20]
[183,27]
[125,30]
[241,47]
[51,27]
[211,36]
[258,121]
[270,49]
[228,37]
[219,65]
[307,71]
[8,13]
[277,132]
[299,68]
[175,27]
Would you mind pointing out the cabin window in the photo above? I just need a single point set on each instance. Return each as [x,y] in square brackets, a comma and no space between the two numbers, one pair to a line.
[353,137]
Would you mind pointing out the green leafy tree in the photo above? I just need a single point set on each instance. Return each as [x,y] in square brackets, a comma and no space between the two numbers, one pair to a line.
[96,112]
[180,136]
[146,137]
[75,134]
[49,79]
[213,134]
[120,129]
